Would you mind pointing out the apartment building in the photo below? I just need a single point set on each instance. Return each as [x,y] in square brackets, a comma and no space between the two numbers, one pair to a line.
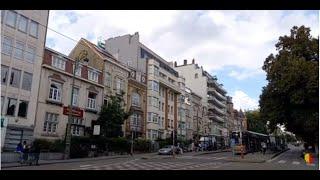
[127,50]
[114,72]
[23,34]
[148,68]
[198,115]
[182,108]
[213,96]
[55,96]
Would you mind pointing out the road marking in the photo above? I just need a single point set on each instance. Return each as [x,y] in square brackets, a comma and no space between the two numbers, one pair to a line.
[220,158]
[296,162]
[282,161]
[87,165]
[311,164]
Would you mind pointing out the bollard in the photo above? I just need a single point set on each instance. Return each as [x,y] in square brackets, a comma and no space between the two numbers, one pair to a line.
[242,152]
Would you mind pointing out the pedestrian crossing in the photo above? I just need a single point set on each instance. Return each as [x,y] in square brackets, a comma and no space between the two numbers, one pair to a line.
[151,166]
[202,157]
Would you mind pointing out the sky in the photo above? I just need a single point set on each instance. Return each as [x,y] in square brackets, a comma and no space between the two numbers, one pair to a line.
[230,44]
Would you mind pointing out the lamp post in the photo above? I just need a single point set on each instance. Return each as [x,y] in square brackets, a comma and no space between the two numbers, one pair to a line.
[82,55]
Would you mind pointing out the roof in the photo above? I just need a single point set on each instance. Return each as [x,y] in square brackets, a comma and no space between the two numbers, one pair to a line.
[105,54]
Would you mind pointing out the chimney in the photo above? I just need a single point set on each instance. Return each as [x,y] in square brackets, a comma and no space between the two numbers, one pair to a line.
[185,62]
[193,61]
[175,64]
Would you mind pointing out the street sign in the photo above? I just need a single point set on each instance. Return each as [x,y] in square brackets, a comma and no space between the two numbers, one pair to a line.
[96,130]
[77,112]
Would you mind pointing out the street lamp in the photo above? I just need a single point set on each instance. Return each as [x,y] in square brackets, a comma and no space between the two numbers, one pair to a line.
[82,56]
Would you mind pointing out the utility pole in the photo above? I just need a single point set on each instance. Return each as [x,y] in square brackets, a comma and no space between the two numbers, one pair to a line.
[82,55]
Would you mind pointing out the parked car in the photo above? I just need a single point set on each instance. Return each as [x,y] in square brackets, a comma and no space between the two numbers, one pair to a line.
[168,149]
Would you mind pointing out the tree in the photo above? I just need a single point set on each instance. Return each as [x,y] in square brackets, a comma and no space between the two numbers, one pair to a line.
[255,122]
[112,117]
[291,97]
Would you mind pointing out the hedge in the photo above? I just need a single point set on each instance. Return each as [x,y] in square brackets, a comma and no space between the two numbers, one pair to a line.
[50,145]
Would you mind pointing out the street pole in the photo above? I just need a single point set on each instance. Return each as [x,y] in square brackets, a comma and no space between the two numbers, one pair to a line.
[131,142]
[70,116]
[68,129]
[173,151]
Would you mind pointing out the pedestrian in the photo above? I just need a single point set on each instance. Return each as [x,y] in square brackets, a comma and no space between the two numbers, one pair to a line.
[26,149]
[232,144]
[19,149]
[36,152]
[264,147]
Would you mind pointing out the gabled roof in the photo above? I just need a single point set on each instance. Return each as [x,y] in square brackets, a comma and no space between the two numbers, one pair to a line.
[104,54]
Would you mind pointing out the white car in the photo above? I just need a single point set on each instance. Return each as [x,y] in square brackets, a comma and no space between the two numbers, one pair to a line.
[168,149]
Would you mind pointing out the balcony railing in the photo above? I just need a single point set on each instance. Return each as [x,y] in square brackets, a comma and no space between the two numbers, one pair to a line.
[216,101]
[215,117]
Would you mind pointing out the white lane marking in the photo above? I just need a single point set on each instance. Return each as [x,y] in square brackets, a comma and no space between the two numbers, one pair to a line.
[87,165]
[296,162]
[311,164]
[282,161]
[220,158]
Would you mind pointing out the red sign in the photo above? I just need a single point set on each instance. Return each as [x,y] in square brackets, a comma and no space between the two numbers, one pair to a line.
[75,111]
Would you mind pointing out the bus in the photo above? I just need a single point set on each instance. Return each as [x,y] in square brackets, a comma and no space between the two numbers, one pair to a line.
[251,141]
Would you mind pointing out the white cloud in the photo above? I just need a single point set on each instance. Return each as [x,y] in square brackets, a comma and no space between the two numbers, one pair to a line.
[243,101]
[216,39]
[242,75]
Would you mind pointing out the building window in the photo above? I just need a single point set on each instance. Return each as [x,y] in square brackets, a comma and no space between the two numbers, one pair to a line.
[92,100]
[15,78]
[30,54]
[172,96]
[153,101]
[119,85]
[75,95]
[23,109]
[156,71]
[154,134]
[51,123]
[152,117]
[105,102]
[171,109]
[76,126]
[23,24]
[12,103]
[93,75]
[27,81]
[4,74]
[55,91]
[135,99]
[58,63]
[11,18]
[34,29]
[78,70]
[153,85]
[135,122]
[108,80]
[149,134]
[2,103]
[196,76]
[159,106]
[19,50]
[162,107]
[7,45]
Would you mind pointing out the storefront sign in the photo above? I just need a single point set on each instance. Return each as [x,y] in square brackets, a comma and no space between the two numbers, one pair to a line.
[75,112]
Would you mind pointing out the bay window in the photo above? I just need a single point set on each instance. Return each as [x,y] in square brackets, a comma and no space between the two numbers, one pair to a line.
[55,91]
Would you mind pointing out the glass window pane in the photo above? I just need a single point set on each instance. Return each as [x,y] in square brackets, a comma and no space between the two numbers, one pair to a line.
[27,81]
[34,29]
[4,74]
[7,45]
[30,54]
[19,50]
[23,108]
[12,103]
[11,18]
[15,78]
[23,23]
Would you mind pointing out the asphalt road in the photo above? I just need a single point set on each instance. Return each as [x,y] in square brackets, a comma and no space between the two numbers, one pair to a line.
[289,160]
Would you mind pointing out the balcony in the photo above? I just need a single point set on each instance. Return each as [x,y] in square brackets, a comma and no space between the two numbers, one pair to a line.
[216,118]
[211,90]
[217,102]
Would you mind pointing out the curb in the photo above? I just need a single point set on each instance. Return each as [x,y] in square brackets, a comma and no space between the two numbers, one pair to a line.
[212,152]
[58,162]
[277,154]
[260,161]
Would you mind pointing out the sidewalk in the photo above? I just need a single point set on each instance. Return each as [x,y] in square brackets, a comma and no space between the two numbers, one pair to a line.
[43,162]
[257,157]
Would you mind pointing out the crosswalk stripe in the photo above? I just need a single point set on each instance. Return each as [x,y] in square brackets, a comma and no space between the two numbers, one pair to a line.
[296,162]
[282,161]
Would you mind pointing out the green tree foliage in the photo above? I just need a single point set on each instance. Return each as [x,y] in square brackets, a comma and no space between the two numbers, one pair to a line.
[112,117]
[255,122]
[291,97]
